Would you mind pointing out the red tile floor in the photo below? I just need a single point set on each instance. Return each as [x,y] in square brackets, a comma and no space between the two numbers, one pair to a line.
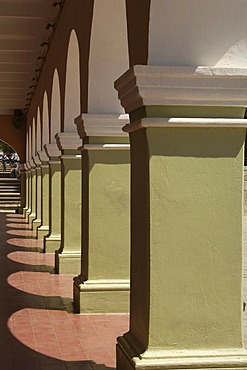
[38,329]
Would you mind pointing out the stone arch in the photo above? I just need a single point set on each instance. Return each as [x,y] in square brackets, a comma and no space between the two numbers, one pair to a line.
[45,121]
[27,145]
[38,134]
[108,57]
[30,141]
[167,33]
[34,138]
[55,107]
[72,104]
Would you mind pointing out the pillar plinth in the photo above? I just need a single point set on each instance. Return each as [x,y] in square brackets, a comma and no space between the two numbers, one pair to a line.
[36,221]
[103,283]
[52,241]
[43,229]
[68,257]
[187,135]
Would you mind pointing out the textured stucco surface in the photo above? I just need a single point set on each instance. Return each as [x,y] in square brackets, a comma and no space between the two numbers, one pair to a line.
[106,251]
[194,245]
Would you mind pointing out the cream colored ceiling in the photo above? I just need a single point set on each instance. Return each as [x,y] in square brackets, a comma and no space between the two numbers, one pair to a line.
[22,30]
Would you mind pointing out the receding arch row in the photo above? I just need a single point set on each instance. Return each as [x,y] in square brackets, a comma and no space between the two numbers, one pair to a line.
[106,61]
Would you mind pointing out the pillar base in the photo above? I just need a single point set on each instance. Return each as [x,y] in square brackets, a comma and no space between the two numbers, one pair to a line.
[226,359]
[42,231]
[101,296]
[24,211]
[31,217]
[26,214]
[67,263]
[36,223]
[52,243]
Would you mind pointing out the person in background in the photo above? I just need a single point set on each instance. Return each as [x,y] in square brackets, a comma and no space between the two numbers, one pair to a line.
[15,172]
[4,160]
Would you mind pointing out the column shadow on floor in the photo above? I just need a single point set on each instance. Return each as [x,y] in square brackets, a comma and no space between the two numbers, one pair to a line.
[16,303]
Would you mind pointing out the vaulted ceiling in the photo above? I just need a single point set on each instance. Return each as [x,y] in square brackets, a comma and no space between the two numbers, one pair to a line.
[22,31]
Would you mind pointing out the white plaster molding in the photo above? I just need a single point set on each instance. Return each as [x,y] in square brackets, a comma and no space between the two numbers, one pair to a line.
[184,359]
[105,285]
[52,150]
[27,166]
[186,122]
[31,164]
[71,156]
[43,156]
[169,85]
[68,141]
[89,125]
[36,161]
[105,147]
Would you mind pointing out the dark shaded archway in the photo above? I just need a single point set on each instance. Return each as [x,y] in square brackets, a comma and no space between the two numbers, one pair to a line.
[15,137]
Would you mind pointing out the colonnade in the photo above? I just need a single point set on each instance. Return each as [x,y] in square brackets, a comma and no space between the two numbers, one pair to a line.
[142,201]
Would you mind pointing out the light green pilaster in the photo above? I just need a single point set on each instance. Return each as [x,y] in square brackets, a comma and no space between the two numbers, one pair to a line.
[23,182]
[186,225]
[43,229]
[52,242]
[36,222]
[68,257]
[103,285]
[27,209]
[33,186]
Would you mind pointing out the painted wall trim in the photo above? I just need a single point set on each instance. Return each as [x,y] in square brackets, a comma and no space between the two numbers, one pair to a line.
[186,122]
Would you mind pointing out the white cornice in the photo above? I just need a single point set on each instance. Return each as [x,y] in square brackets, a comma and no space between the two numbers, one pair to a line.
[52,150]
[186,122]
[32,164]
[36,161]
[43,156]
[89,125]
[105,147]
[27,166]
[68,141]
[169,85]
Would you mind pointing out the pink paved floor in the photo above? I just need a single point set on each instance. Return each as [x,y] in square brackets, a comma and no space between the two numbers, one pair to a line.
[37,327]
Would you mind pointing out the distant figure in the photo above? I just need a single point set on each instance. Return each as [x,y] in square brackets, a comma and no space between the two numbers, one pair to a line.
[4,160]
[15,172]
[17,169]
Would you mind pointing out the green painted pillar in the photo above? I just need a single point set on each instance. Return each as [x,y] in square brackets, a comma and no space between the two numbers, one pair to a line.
[187,136]
[23,181]
[103,283]
[36,222]
[68,257]
[33,187]
[43,229]
[52,241]
[27,209]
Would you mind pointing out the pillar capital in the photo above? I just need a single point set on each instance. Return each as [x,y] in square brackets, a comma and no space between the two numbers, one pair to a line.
[32,164]
[98,125]
[27,166]
[155,90]
[67,141]
[43,156]
[103,131]
[52,151]
[36,161]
